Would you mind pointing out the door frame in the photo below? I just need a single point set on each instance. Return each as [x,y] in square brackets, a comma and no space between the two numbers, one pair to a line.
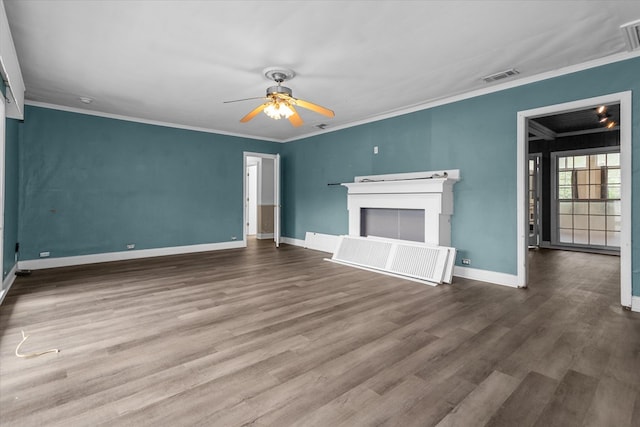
[277,194]
[3,131]
[625,101]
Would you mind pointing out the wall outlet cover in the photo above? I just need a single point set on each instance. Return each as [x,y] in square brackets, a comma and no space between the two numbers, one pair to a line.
[44,254]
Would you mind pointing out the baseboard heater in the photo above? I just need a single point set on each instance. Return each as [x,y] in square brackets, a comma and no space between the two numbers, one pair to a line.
[415,261]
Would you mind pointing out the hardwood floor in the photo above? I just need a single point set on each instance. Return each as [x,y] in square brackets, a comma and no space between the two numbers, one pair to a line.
[277,337]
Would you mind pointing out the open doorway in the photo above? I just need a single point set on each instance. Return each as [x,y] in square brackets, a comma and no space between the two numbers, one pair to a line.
[584,180]
[262,196]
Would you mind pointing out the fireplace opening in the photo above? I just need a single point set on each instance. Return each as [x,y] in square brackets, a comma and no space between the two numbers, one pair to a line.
[403,224]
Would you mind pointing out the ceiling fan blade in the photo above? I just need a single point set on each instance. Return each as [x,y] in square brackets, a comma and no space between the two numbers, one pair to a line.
[314,107]
[254,112]
[295,118]
[245,99]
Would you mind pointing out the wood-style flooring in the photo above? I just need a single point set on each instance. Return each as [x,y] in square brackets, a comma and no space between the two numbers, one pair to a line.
[278,337]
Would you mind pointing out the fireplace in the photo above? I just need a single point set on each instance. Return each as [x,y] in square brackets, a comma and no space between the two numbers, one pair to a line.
[410,206]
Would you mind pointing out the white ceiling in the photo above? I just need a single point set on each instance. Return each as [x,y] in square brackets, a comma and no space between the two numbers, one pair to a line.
[177,61]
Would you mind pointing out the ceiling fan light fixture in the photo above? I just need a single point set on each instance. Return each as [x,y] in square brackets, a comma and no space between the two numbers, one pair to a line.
[278,110]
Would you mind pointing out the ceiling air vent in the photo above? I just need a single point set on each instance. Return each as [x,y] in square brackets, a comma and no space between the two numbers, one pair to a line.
[501,75]
[631,32]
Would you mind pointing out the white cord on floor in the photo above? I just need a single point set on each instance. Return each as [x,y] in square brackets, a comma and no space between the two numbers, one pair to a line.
[34,354]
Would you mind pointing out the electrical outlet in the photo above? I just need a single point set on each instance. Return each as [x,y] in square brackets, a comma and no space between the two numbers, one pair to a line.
[375,150]
[234,238]
[466,261]
[131,246]
[44,254]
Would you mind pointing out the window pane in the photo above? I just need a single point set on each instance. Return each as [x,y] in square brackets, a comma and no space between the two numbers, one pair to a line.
[565,221]
[569,163]
[597,238]
[583,192]
[596,208]
[566,235]
[581,208]
[613,159]
[613,208]
[582,177]
[613,176]
[562,162]
[579,162]
[613,238]
[581,237]
[613,223]
[564,178]
[601,160]
[581,222]
[595,192]
[597,222]
[613,192]
[564,192]
[565,207]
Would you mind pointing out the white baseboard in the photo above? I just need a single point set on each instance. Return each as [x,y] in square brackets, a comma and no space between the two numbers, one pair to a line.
[261,236]
[486,276]
[635,304]
[8,281]
[38,264]
[292,241]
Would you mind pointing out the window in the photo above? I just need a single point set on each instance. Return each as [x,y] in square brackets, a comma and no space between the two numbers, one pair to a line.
[588,190]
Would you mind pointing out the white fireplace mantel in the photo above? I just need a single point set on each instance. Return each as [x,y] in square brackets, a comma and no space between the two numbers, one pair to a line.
[430,191]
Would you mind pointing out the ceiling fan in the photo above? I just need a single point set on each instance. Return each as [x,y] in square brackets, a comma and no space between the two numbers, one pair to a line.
[280,101]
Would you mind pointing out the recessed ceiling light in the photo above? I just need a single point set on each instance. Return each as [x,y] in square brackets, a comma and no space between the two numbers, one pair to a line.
[85,100]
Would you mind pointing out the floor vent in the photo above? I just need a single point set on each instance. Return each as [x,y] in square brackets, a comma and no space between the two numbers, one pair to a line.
[410,260]
[501,75]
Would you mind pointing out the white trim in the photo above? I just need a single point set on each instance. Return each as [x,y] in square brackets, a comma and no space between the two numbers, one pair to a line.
[37,264]
[635,304]
[625,101]
[143,121]
[276,173]
[7,282]
[488,276]
[292,241]
[261,236]
[10,69]
[393,113]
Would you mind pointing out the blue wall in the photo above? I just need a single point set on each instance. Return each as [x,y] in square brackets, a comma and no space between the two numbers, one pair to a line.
[477,136]
[92,185]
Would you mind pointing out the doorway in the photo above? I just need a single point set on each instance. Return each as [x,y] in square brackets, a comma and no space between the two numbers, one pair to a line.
[261,186]
[527,125]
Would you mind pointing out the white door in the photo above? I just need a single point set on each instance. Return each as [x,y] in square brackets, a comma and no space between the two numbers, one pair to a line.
[252,197]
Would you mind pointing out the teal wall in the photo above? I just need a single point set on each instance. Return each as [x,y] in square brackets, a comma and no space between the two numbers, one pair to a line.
[92,185]
[477,136]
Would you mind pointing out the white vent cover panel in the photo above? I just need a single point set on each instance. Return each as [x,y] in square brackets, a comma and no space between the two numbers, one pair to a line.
[363,252]
[420,261]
